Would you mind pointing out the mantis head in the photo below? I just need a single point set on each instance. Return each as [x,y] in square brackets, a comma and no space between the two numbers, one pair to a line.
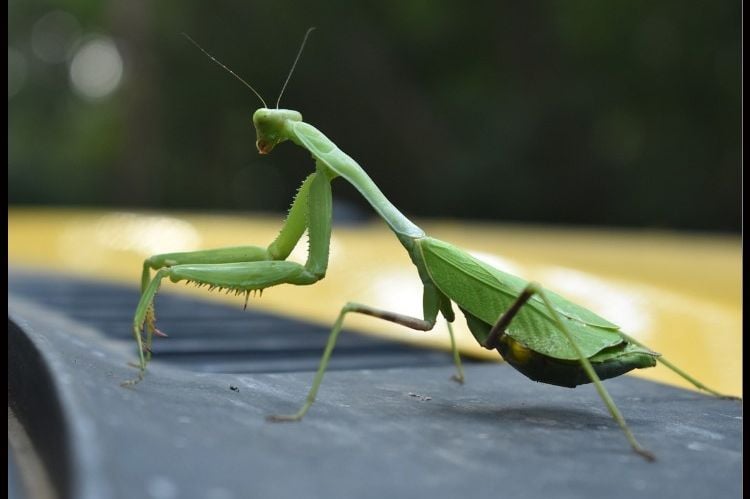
[270,127]
[270,124]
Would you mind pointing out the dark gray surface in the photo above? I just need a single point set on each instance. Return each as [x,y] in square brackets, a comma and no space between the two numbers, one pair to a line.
[402,432]
[210,337]
[15,488]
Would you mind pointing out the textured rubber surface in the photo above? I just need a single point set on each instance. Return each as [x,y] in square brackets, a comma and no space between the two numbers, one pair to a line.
[214,338]
[375,432]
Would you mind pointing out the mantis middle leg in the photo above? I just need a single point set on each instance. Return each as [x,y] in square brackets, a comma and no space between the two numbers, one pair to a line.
[425,324]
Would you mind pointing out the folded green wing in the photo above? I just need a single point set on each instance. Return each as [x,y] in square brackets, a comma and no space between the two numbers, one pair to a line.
[487,292]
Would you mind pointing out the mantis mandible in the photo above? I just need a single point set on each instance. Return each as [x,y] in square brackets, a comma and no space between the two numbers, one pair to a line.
[541,334]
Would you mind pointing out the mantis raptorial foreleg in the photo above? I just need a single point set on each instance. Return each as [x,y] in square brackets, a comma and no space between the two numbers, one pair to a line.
[292,230]
[405,320]
[505,319]
[167,260]
[249,268]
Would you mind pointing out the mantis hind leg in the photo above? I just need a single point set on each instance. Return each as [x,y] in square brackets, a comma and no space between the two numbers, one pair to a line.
[404,320]
[498,330]
[682,373]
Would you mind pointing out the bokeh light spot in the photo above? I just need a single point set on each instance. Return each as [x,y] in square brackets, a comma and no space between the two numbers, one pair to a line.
[96,68]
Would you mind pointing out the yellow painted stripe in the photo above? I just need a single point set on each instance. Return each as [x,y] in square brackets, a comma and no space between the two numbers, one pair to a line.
[678,293]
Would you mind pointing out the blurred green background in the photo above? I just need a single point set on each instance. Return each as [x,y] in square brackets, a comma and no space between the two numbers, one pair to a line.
[617,113]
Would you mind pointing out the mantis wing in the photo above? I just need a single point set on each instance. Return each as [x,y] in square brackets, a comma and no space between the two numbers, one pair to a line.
[486,293]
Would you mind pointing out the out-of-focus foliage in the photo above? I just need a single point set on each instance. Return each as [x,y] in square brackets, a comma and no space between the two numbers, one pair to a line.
[622,112]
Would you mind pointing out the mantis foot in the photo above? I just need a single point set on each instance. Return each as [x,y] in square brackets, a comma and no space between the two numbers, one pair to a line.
[284,418]
[132,382]
[647,455]
[730,397]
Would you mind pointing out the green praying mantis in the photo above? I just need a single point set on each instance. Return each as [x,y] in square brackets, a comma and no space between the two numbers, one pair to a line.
[541,334]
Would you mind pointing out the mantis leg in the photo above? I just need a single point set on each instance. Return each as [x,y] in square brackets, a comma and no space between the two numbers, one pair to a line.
[498,330]
[279,249]
[503,322]
[404,320]
[230,268]
[680,372]
[459,376]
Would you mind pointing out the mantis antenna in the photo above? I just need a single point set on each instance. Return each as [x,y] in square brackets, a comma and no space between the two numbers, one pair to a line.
[294,65]
[232,72]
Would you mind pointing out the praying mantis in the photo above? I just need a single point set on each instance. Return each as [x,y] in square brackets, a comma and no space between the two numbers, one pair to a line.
[538,332]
